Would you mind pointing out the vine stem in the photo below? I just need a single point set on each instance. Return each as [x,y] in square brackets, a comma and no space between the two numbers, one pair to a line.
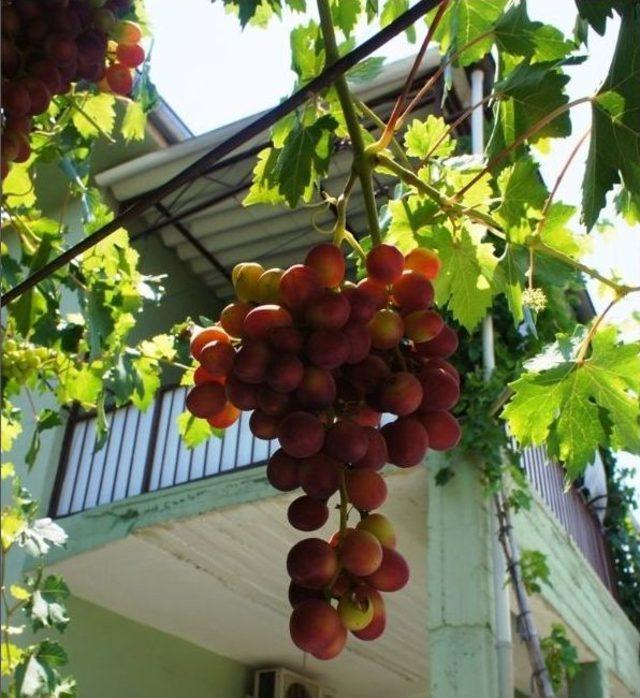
[492,225]
[390,128]
[586,343]
[541,123]
[361,163]
[393,143]
[454,125]
[436,76]
[559,179]
[526,626]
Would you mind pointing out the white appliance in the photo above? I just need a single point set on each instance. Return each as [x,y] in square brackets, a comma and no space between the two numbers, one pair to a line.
[283,683]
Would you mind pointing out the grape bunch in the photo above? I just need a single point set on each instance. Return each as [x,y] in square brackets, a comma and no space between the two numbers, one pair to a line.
[20,360]
[319,360]
[49,44]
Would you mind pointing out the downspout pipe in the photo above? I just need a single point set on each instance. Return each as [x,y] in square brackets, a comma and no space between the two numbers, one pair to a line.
[502,625]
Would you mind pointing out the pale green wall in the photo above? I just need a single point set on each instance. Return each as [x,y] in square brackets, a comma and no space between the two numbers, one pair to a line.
[113,656]
[579,597]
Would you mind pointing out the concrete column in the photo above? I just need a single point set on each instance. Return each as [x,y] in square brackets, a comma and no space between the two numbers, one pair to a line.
[461,654]
[592,681]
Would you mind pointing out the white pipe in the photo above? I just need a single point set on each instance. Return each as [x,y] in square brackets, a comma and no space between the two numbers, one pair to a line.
[504,651]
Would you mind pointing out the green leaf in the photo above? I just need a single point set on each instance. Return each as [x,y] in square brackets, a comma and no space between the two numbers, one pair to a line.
[513,282]
[523,194]
[134,122]
[614,150]
[366,70]
[37,673]
[410,216]
[305,155]
[556,234]
[578,407]
[94,115]
[466,21]
[392,9]
[262,190]
[517,35]
[421,137]
[529,94]
[47,419]
[596,12]
[10,428]
[467,280]
[307,51]
[345,14]
[17,187]
[194,431]
[46,607]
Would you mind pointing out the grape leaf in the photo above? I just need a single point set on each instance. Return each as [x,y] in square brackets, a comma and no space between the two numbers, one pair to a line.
[366,70]
[614,150]
[467,21]
[94,115]
[195,431]
[134,122]
[528,94]
[422,136]
[517,35]
[47,419]
[305,153]
[409,217]
[466,281]
[46,607]
[262,191]
[307,51]
[596,12]
[345,14]
[522,195]
[392,9]
[513,281]
[578,407]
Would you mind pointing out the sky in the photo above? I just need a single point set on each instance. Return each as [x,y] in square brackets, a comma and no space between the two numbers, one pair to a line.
[213,73]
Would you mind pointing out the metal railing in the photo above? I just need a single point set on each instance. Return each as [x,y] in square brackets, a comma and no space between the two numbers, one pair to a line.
[571,509]
[144,453]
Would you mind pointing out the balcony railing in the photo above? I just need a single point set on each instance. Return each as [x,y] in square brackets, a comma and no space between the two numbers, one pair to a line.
[144,453]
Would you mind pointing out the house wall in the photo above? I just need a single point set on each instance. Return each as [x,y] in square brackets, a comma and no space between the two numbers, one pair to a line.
[110,655]
[595,621]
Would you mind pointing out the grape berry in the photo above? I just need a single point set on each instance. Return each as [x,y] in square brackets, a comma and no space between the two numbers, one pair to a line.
[319,360]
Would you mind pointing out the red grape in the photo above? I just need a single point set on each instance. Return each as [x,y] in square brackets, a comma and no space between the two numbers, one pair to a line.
[301,434]
[443,429]
[407,441]
[312,563]
[328,263]
[385,264]
[366,489]
[360,553]
[320,476]
[393,573]
[401,394]
[206,400]
[283,471]
[347,441]
[424,261]
[307,514]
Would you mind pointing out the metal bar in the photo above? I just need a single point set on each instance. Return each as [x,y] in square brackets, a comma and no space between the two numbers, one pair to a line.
[133,456]
[117,463]
[93,459]
[80,459]
[153,437]
[245,134]
[187,235]
[63,461]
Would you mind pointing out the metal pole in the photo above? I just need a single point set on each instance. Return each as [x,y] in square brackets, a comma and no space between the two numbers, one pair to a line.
[504,650]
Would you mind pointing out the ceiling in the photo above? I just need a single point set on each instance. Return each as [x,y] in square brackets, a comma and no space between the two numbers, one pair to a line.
[219,580]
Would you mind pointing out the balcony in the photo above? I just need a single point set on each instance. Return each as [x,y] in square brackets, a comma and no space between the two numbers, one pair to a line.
[144,453]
